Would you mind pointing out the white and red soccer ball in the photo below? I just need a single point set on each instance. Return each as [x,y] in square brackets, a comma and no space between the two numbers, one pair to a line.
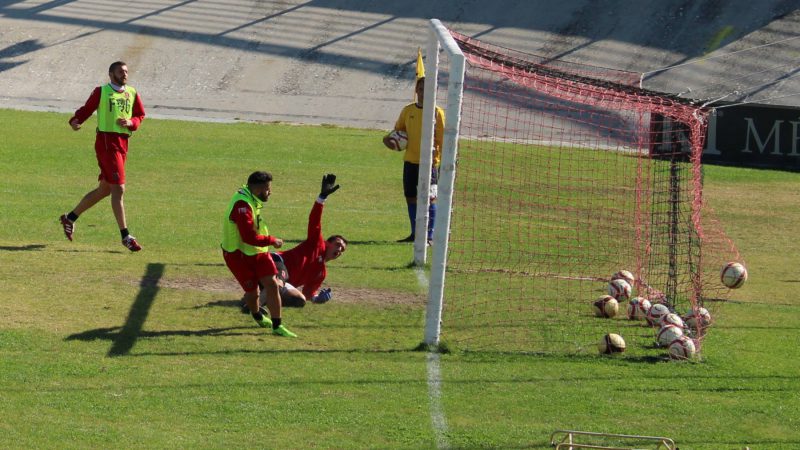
[655,313]
[619,289]
[682,348]
[667,334]
[398,140]
[638,307]
[624,275]
[672,319]
[605,306]
[733,275]
[698,319]
[611,343]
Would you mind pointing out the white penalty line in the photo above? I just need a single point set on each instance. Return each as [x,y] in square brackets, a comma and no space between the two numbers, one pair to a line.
[435,393]
[434,384]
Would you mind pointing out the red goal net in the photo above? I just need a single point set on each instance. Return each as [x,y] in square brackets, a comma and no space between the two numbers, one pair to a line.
[566,174]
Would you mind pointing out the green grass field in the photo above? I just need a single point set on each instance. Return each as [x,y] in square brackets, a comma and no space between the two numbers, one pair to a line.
[100,348]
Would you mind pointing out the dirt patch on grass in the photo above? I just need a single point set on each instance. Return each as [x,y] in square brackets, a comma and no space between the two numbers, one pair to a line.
[340,294]
[376,296]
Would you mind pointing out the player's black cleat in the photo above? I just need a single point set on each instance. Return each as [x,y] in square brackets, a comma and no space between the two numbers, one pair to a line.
[67,225]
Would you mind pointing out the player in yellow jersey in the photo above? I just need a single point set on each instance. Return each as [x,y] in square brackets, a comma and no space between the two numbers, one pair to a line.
[410,121]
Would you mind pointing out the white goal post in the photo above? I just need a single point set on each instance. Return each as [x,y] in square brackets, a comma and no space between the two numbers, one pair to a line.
[438,36]
[567,174]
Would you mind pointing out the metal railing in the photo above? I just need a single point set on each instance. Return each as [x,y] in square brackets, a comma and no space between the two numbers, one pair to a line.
[565,439]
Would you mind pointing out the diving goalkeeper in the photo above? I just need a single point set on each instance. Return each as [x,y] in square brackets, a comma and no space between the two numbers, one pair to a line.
[305,263]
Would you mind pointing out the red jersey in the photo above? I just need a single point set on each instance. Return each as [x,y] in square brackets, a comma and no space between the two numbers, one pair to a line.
[306,261]
[120,140]
[242,216]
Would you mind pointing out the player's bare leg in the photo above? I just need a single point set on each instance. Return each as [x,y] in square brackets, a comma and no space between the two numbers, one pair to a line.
[251,300]
[118,206]
[273,299]
[90,199]
[293,297]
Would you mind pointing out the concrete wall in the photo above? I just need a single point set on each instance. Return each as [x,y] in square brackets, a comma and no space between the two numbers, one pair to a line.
[351,62]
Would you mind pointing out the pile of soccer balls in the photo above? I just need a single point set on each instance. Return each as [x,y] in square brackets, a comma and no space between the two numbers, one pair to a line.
[677,334]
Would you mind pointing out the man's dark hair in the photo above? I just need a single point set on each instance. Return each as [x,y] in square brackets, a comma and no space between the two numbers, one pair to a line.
[259,178]
[337,236]
[115,64]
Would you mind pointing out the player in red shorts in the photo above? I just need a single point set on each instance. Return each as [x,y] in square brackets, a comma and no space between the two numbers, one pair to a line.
[301,270]
[119,113]
[245,247]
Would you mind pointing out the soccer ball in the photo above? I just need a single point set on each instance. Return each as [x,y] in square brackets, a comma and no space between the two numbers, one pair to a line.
[698,320]
[638,307]
[672,319]
[624,275]
[619,289]
[605,306]
[682,348]
[655,313]
[398,140]
[667,334]
[733,275]
[611,343]
[656,296]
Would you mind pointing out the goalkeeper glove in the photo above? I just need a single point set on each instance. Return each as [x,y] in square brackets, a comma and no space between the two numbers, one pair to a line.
[323,296]
[328,188]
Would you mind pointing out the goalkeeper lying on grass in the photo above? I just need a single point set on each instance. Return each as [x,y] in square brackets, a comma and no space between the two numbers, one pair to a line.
[301,270]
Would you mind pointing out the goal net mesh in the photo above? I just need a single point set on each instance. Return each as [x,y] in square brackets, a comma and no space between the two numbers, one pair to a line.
[567,173]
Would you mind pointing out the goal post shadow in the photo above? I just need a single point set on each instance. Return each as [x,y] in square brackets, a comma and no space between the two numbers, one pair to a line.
[137,315]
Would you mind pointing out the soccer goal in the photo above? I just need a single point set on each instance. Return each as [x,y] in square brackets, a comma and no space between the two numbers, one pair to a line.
[555,176]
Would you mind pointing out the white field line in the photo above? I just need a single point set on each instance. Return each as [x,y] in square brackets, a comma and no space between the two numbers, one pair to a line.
[435,393]
[438,420]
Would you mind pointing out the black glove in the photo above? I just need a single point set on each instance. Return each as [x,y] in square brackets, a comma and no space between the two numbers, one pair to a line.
[328,188]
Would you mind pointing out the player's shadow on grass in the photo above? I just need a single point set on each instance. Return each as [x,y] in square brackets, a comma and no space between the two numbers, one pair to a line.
[74,250]
[237,304]
[22,248]
[117,334]
[273,351]
[222,303]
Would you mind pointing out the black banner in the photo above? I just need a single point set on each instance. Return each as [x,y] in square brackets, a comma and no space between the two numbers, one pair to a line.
[669,139]
[754,135]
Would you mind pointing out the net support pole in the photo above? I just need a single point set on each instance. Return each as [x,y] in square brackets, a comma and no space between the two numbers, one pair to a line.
[455,88]
[426,152]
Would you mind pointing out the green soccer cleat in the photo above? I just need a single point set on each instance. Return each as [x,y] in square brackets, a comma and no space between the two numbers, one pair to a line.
[265,322]
[283,331]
